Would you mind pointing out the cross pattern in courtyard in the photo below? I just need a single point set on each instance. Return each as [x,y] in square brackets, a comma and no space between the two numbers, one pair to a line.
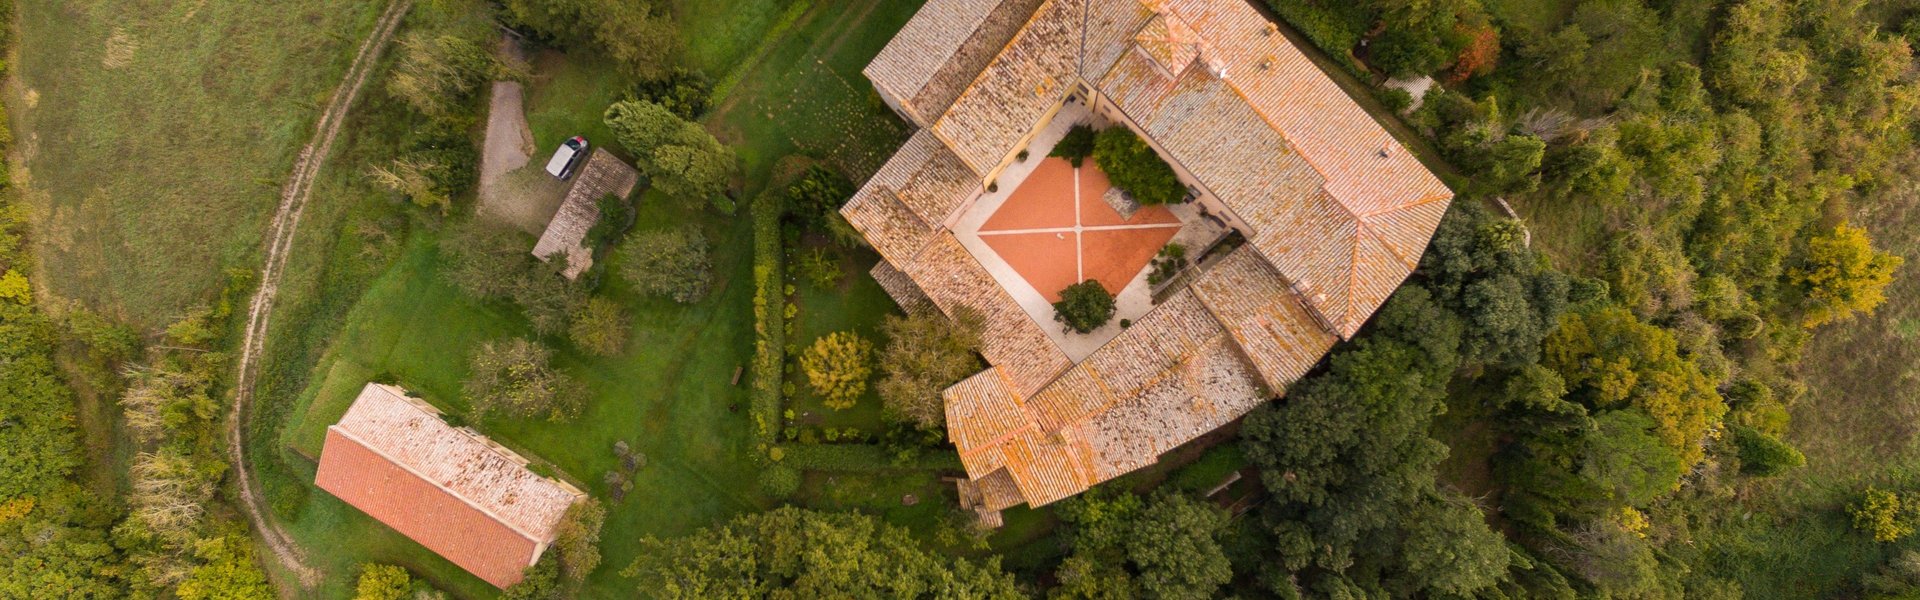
[1056,230]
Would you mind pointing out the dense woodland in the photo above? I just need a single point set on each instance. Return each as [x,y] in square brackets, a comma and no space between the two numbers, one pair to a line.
[1687,167]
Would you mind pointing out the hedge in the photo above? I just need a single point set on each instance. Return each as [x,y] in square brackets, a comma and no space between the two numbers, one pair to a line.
[769,322]
[861,458]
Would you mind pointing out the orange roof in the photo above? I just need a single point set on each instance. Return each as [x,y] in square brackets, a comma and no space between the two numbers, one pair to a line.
[1336,212]
[466,499]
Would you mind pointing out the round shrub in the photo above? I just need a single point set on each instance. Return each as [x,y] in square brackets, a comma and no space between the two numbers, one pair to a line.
[780,481]
[1084,306]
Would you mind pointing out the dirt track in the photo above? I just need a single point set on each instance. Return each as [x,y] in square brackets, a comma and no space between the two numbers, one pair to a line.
[280,234]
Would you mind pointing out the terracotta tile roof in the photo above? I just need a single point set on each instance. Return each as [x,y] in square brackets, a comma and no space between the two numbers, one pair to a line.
[941,49]
[901,288]
[998,491]
[1012,341]
[603,175]
[1029,77]
[1266,319]
[463,497]
[1335,211]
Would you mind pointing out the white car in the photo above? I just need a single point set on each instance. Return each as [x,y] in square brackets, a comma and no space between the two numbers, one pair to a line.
[566,157]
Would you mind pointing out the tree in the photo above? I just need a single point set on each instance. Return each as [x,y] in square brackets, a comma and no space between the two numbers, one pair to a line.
[679,157]
[492,263]
[639,36]
[816,197]
[1884,514]
[1084,306]
[383,582]
[539,582]
[671,262]
[1076,146]
[798,553]
[1764,455]
[37,440]
[227,571]
[1123,546]
[576,541]
[1449,551]
[1843,275]
[1611,359]
[927,352]
[1134,166]
[838,366]
[601,329]
[511,378]
[437,72]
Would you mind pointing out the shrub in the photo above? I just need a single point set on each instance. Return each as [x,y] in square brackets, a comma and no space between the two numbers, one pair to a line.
[816,197]
[838,366]
[616,215]
[672,263]
[1084,306]
[780,481]
[819,268]
[1171,260]
[383,582]
[512,378]
[1133,166]
[1887,516]
[601,329]
[1076,146]
[576,541]
[1764,455]
[680,158]
[1842,274]
[683,92]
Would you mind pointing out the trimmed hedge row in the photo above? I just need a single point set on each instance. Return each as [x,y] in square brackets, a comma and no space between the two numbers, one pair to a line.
[861,457]
[769,320]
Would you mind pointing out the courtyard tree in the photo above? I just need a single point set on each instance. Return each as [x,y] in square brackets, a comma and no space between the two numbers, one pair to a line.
[1084,306]
[671,263]
[925,353]
[838,366]
[1133,166]
[511,378]
[1076,146]
[797,553]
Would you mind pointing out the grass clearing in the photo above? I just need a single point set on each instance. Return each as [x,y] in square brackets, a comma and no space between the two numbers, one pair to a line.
[719,35]
[214,98]
[856,304]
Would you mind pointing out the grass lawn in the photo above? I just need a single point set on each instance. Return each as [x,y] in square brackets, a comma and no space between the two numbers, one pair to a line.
[719,35]
[567,98]
[856,304]
[211,100]
[669,396]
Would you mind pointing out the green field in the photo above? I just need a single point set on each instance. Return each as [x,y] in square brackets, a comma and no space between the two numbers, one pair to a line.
[212,100]
[374,306]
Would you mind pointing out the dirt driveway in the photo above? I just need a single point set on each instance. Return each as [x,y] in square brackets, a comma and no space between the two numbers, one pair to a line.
[513,189]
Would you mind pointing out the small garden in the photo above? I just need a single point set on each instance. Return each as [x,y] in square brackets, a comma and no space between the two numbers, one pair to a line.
[1129,162]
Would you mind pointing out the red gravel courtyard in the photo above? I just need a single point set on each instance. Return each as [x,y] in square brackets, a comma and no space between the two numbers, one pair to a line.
[1055,230]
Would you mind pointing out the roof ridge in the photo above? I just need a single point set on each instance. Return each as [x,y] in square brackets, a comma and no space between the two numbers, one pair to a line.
[349,435]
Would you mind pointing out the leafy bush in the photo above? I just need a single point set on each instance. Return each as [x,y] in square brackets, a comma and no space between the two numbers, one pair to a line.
[512,378]
[1328,29]
[862,458]
[1076,146]
[838,366]
[819,268]
[672,263]
[383,582]
[780,481]
[1842,275]
[1133,166]
[600,329]
[814,200]
[684,92]
[1887,516]
[1170,261]
[576,542]
[616,215]
[1084,306]
[1764,455]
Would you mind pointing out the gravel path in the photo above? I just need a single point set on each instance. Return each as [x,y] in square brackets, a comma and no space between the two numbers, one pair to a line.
[512,191]
[280,234]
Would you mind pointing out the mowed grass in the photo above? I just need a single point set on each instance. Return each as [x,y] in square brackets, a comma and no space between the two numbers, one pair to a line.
[856,304]
[719,35]
[670,396]
[154,136]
